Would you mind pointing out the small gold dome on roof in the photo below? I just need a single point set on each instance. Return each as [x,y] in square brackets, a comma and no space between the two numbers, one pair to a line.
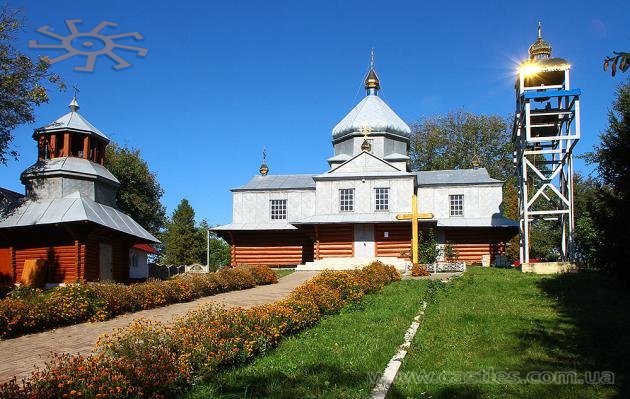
[540,48]
[264,169]
[371,81]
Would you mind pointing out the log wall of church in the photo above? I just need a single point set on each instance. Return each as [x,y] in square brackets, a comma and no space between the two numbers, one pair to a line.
[334,241]
[397,244]
[120,255]
[471,244]
[61,260]
[6,265]
[271,248]
[71,252]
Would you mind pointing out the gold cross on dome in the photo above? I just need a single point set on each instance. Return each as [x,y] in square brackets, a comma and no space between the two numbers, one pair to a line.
[365,130]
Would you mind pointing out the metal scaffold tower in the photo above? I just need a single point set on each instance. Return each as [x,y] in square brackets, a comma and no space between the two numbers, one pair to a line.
[546,129]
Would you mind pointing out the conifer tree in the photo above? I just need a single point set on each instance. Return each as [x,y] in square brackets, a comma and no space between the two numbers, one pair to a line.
[182,240]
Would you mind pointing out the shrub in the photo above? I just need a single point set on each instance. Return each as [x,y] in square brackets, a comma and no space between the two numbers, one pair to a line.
[428,248]
[71,304]
[262,274]
[418,270]
[27,310]
[451,254]
[149,359]
[237,278]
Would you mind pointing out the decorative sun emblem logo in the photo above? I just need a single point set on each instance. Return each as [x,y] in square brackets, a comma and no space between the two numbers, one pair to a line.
[90,44]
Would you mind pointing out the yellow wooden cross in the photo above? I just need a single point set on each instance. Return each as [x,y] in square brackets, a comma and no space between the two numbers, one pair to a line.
[414,216]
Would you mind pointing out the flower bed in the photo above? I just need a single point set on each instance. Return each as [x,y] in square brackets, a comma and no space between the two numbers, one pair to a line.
[443,267]
[30,310]
[149,359]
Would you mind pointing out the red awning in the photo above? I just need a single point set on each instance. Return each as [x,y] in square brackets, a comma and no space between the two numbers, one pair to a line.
[145,248]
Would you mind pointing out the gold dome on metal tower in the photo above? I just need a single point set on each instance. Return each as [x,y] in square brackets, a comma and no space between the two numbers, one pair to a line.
[540,48]
[540,61]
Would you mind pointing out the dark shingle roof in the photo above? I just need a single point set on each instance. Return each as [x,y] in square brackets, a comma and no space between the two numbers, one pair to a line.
[9,195]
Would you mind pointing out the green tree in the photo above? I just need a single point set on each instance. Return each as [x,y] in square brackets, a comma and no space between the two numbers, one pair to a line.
[587,202]
[140,192]
[613,166]
[459,139]
[182,240]
[22,83]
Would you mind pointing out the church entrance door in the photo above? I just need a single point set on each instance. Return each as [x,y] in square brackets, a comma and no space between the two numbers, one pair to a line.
[105,262]
[364,241]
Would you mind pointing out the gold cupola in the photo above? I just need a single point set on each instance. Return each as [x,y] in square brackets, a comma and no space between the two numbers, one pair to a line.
[540,48]
[371,81]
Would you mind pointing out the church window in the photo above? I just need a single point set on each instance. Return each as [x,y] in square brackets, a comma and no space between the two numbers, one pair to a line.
[346,199]
[278,209]
[382,199]
[457,204]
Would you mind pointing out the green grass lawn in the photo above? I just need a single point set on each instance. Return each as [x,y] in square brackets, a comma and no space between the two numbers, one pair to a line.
[504,320]
[331,359]
[283,272]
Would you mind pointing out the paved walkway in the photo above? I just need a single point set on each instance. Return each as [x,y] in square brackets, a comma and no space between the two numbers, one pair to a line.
[18,356]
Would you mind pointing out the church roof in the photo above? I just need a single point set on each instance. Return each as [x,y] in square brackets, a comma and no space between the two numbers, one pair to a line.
[278,182]
[455,176]
[9,195]
[254,226]
[72,121]
[352,217]
[72,208]
[70,166]
[373,113]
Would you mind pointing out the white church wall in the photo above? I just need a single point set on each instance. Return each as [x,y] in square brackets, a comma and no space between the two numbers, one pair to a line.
[254,206]
[402,165]
[400,191]
[381,145]
[395,146]
[377,143]
[364,164]
[479,200]
[344,147]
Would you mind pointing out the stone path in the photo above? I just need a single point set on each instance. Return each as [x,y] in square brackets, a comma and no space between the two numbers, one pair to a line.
[388,376]
[18,356]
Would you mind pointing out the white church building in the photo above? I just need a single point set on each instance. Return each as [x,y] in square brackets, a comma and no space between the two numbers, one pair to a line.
[346,216]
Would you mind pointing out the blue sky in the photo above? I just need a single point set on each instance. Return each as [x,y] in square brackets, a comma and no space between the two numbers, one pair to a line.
[223,79]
